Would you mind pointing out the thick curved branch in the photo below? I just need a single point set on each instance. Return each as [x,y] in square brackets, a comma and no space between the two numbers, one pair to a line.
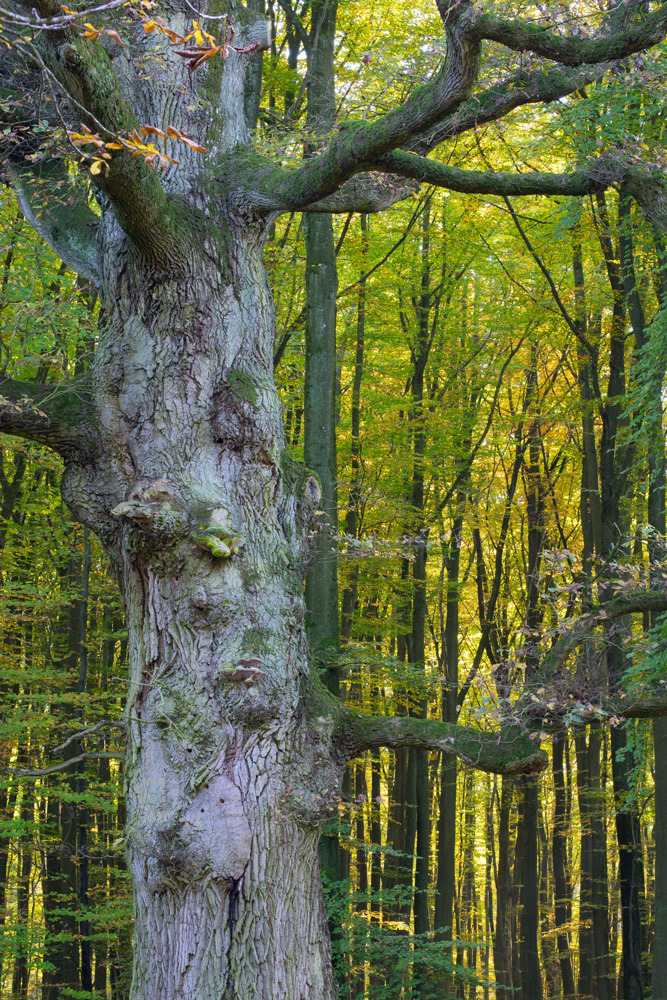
[537,86]
[486,182]
[547,699]
[59,213]
[522,36]
[360,145]
[54,415]
[357,145]
[509,751]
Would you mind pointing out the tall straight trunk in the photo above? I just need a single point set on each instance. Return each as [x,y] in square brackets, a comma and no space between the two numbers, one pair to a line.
[548,952]
[502,942]
[101,945]
[468,903]
[657,492]
[614,478]
[445,884]
[488,887]
[616,455]
[352,516]
[529,900]
[562,882]
[320,380]
[319,393]
[60,884]
[586,967]
[599,879]
[594,936]
[21,971]
[659,973]
[531,973]
[362,857]
[320,435]
[421,352]
[82,809]
[10,495]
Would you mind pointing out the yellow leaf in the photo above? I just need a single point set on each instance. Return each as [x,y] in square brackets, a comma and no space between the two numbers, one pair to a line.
[192,145]
[112,33]
[152,130]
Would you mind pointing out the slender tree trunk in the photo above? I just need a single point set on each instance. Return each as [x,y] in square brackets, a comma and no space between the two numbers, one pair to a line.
[531,972]
[320,435]
[445,888]
[352,516]
[598,872]
[502,947]
[659,974]
[319,405]
[60,885]
[320,381]
[656,518]
[562,884]
[82,809]
[21,972]
[419,606]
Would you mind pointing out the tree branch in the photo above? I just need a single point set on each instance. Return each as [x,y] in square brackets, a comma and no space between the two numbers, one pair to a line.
[357,145]
[443,107]
[509,751]
[419,168]
[81,69]
[68,226]
[549,701]
[39,771]
[53,415]
[648,189]
[522,36]
[538,86]
[649,600]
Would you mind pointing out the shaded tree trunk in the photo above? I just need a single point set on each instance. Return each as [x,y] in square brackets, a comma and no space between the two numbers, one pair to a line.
[562,883]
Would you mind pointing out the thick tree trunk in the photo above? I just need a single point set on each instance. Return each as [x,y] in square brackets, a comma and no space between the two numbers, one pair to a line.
[203,514]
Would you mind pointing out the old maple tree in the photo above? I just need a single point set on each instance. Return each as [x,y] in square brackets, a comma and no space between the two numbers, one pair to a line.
[173,442]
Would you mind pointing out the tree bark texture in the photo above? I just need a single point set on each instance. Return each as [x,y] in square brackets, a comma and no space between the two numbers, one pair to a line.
[224,793]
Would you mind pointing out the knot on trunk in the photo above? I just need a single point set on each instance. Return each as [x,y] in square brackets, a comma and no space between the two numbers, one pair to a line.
[212,841]
[155,506]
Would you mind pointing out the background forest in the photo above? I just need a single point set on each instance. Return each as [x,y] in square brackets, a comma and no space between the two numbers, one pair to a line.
[500,467]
